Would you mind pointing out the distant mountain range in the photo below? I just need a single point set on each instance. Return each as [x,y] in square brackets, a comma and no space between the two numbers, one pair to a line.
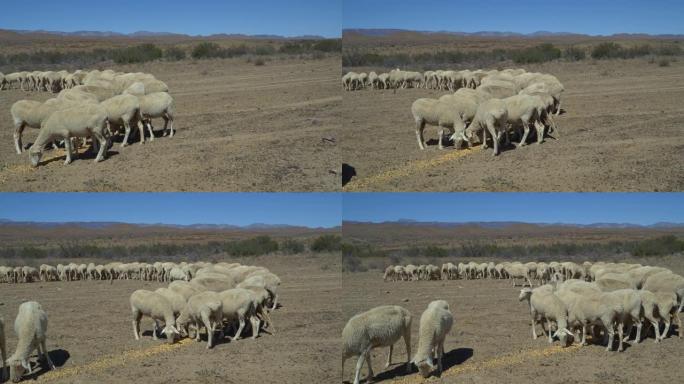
[505,224]
[376,32]
[106,224]
[140,34]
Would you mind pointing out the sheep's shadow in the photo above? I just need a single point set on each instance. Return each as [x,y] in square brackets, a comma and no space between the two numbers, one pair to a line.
[454,357]
[58,356]
[348,172]
[87,155]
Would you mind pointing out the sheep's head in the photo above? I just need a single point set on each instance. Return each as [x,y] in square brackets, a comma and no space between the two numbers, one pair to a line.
[170,331]
[17,368]
[34,156]
[425,366]
[562,335]
[525,294]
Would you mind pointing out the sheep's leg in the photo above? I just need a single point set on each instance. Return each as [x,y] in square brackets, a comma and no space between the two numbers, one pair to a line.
[638,334]
[127,132]
[440,355]
[166,125]
[239,330]
[548,325]
[534,329]
[197,331]
[440,145]
[407,341]
[370,367]
[275,302]
[484,138]
[149,128]
[46,355]
[154,330]
[136,325]
[170,121]
[540,131]
[389,356]
[526,131]
[101,144]
[495,138]
[611,337]
[584,335]
[255,326]
[359,365]
[558,108]
[207,324]
[67,149]
[18,130]
[420,126]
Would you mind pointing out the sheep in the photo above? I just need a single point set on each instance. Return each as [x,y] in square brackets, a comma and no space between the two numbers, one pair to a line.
[547,305]
[177,300]
[203,308]
[238,304]
[435,112]
[657,306]
[525,110]
[31,329]
[373,80]
[435,323]
[260,297]
[383,80]
[90,120]
[185,289]
[3,350]
[268,281]
[157,104]
[517,270]
[491,117]
[178,274]
[586,309]
[157,307]
[670,283]
[28,113]
[124,110]
[389,273]
[378,327]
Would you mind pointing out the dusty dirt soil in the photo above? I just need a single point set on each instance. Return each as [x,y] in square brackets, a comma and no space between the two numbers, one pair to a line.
[240,127]
[621,131]
[90,334]
[491,340]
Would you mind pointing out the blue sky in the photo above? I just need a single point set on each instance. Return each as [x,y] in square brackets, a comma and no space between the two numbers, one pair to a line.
[574,208]
[195,17]
[595,17]
[307,209]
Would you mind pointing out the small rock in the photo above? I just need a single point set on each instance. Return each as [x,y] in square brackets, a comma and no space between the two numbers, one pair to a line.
[405,300]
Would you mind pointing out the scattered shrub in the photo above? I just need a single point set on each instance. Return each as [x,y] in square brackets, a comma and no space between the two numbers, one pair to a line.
[206,50]
[137,54]
[664,63]
[574,54]
[327,243]
[174,54]
[259,62]
[538,54]
[606,51]
[292,246]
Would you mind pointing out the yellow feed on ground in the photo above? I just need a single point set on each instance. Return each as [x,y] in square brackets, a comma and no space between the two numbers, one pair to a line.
[496,362]
[112,361]
[362,184]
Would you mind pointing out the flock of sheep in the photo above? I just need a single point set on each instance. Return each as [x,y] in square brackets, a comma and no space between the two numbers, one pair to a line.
[498,103]
[606,298]
[218,297]
[95,104]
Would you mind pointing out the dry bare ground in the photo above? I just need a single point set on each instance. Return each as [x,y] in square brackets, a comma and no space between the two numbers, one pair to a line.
[491,340]
[90,334]
[240,127]
[621,131]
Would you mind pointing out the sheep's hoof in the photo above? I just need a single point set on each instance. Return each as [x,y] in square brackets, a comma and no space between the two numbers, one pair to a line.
[67,162]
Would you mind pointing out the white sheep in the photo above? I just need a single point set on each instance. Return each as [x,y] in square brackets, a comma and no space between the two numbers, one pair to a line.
[670,283]
[204,308]
[124,110]
[260,296]
[491,117]
[89,120]
[157,307]
[435,323]
[657,307]
[379,327]
[31,329]
[177,300]
[154,105]
[439,113]
[238,304]
[547,305]
[591,308]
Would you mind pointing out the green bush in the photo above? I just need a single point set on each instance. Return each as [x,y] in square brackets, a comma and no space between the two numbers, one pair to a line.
[433,251]
[606,51]
[664,63]
[574,54]
[292,247]
[259,245]
[327,243]
[137,54]
[174,54]
[259,62]
[658,246]
[328,45]
[206,50]
[539,54]
[264,50]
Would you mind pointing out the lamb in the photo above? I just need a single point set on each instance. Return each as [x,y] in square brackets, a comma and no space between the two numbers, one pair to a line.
[31,329]
[491,117]
[435,323]
[157,307]
[436,112]
[238,304]
[90,120]
[379,327]
[124,110]
[547,305]
[203,308]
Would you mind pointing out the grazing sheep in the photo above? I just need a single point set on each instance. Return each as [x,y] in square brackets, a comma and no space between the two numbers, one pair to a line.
[185,289]
[268,281]
[439,113]
[237,304]
[90,120]
[379,327]
[668,282]
[491,117]
[389,273]
[547,305]
[204,308]
[28,113]
[435,323]
[124,110]
[657,307]
[591,308]
[176,299]
[31,329]
[523,110]
[154,105]
[260,296]
[155,306]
